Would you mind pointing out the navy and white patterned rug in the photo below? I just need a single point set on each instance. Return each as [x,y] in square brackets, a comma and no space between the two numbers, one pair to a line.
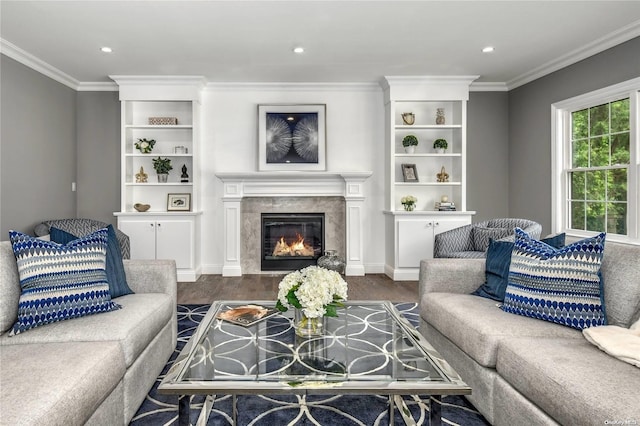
[280,410]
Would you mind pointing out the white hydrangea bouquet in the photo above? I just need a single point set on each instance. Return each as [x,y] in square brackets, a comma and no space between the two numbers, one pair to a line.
[316,291]
[409,202]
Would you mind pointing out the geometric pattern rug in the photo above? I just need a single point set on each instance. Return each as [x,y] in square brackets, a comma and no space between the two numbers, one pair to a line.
[290,410]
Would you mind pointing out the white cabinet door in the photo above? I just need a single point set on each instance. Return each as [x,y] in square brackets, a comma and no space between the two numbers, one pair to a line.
[416,237]
[142,237]
[415,241]
[174,240]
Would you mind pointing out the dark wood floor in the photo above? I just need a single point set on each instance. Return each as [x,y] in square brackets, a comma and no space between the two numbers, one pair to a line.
[210,288]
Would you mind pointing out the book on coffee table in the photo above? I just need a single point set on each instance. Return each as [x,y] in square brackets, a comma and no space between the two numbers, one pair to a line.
[247,315]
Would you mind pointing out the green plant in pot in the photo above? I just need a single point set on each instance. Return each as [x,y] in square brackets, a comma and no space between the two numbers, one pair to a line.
[409,143]
[440,145]
[162,167]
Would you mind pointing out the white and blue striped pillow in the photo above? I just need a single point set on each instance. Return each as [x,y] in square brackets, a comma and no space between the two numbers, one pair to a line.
[60,282]
[558,285]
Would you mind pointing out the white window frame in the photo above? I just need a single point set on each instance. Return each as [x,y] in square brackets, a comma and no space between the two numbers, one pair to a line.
[561,157]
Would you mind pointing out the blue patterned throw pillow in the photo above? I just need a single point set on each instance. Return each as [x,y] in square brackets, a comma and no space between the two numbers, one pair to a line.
[60,282]
[116,276]
[497,267]
[558,285]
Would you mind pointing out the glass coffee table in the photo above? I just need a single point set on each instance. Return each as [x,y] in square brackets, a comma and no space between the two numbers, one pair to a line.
[369,349]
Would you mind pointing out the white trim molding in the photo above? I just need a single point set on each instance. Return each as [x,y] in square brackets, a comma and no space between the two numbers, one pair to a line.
[27,59]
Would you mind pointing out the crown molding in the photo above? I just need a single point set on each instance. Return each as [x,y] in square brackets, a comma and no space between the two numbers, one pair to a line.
[284,86]
[26,58]
[608,41]
[97,86]
[488,87]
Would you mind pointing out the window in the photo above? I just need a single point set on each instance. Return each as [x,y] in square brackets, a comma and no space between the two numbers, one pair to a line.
[595,164]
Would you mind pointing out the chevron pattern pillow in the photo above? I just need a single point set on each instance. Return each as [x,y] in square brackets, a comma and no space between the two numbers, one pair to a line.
[60,282]
[558,285]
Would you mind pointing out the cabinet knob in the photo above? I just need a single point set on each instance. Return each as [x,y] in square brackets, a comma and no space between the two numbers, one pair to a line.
[437,224]
[151,224]
[159,224]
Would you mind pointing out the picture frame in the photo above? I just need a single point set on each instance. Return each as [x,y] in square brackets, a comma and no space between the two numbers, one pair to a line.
[179,202]
[292,137]
[409,172]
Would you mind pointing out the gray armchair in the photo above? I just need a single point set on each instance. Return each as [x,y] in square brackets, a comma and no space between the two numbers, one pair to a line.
[82,227]
[472,241]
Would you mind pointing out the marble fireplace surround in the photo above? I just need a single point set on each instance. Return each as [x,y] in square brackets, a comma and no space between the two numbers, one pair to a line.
[246,194]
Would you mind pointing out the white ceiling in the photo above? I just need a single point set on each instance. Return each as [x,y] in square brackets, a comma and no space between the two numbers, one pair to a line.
[345,41]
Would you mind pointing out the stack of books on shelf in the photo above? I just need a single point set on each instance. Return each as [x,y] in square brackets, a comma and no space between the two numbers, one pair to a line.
[445,207]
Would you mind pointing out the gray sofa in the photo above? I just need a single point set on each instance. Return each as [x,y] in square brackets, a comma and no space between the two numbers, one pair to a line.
[91,370]
[528,371]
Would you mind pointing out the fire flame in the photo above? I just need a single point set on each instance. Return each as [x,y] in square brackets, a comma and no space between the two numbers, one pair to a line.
[296,248]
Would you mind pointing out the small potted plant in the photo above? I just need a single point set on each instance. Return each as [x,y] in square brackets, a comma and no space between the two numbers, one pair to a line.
[162,167]
[409,202]
[440,145]
[144,145]
[409,143]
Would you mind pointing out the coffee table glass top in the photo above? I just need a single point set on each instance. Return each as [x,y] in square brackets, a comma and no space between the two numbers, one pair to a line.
[369,346]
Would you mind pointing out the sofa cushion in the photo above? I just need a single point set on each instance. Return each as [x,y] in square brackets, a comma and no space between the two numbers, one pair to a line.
[620,269]
[60,282]
[57,383]
[481,236]
[497,266]
[575,383]
[115,270]
[476,325]
[135,325]
[10,287]
[558,285]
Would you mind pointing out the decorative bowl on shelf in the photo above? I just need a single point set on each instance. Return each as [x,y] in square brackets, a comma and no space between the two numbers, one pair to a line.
[141,207]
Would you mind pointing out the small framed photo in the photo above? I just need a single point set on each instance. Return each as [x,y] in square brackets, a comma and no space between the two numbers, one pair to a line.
[179,202]
[291,137]
[409,173]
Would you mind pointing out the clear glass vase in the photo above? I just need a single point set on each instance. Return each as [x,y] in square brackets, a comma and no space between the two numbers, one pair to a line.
[308,327]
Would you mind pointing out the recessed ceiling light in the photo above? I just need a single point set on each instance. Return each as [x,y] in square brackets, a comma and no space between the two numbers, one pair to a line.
[488,49]
[106,49]
[298,50]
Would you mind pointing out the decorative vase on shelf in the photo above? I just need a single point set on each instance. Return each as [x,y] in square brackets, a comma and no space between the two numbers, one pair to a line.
[308,327]
[410,149]
[332,261]
[440,116]
[408,118]
[162,177]
[440,150]
[409,207]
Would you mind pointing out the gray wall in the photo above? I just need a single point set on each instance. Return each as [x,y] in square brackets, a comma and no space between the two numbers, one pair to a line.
[98,155]
[488,155]
[38,148]
[530,124]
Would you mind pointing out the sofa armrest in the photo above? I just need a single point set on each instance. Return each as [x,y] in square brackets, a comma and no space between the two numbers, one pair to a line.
[152,276]
[451,275]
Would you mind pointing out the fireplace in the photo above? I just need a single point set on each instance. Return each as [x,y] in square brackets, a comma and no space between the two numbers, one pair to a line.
[291,240]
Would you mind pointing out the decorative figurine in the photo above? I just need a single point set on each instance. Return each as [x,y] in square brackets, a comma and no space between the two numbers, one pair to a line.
[443,176]
[440,116]
[141,176]
[184,177]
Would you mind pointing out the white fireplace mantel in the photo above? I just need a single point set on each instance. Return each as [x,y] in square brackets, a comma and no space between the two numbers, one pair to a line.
[293,184]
